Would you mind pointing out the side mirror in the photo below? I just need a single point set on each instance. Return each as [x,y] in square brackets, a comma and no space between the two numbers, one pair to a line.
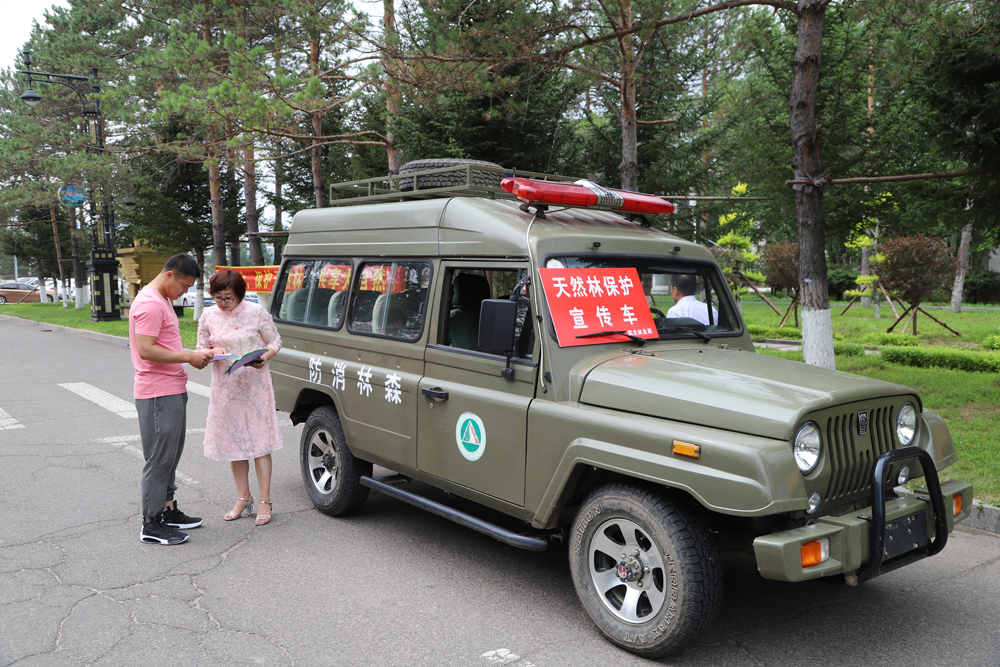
[497,322]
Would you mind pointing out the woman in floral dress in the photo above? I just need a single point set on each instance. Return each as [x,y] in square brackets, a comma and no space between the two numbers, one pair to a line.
[242,422]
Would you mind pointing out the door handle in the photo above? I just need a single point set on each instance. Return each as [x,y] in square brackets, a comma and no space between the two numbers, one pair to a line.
[434,393]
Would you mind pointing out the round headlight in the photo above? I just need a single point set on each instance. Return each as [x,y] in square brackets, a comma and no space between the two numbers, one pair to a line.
[807,447]
[906,424]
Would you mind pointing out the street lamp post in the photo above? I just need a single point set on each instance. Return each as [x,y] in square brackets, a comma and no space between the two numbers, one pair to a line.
[103,264]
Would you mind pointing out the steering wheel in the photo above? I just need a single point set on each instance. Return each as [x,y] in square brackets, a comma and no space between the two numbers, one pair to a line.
[657,312]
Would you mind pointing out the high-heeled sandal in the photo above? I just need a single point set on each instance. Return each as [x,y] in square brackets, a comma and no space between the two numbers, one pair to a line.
[249,506]
[263,516]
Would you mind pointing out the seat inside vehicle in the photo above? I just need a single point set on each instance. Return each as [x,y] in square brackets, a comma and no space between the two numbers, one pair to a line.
[468,292]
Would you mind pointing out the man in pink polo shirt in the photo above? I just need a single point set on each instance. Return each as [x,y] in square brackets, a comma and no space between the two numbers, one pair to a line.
[161,396]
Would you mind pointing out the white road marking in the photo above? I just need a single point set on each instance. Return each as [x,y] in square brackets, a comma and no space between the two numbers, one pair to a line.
[109,402]
[200,389]
[504,656]
[122,439]
[121,442]
[7,422]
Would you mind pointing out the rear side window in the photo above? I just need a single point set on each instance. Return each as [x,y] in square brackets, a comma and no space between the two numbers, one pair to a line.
[390,299]
[315,292]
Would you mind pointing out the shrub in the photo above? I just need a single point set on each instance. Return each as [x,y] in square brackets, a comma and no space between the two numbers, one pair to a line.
[758,329]
[785,332]
[848,349]
[780,263]
[899,340]
[943,357]
[981,287]
[913,267]
[839,280]
[992,342]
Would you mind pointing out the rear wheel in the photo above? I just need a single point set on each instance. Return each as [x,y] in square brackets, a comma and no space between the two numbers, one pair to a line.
[330,471]
[645,569]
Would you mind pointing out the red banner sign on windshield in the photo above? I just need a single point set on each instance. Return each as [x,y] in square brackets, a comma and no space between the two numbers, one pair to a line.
[589,301]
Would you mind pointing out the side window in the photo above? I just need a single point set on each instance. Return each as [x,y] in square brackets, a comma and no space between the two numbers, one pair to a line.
[390,299]
[467,290]
[294,293]
[329,299]
[315,292]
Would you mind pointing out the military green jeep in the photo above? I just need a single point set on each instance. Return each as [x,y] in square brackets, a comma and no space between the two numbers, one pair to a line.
[530,358]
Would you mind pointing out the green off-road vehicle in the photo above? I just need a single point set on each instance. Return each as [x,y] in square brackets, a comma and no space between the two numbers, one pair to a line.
[529,359]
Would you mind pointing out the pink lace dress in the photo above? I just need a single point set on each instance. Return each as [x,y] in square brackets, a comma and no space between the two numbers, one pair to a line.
[242,422]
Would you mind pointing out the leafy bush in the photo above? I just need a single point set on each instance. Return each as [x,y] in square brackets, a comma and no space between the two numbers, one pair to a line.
[899,340]
[848,349]
[913,267]
[943,357]
[992,342]
[758,329]
[780,263]
[981,287]
[839,280]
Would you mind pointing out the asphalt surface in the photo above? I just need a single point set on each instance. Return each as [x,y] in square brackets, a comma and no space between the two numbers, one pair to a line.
[390,586]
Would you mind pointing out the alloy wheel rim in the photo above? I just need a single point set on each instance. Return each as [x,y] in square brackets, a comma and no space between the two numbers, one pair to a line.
[322,460]
[627,570]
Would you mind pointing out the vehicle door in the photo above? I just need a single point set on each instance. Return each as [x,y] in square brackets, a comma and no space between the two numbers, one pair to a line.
[472,421]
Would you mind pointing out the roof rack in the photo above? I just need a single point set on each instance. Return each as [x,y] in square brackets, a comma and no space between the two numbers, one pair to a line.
[386,188]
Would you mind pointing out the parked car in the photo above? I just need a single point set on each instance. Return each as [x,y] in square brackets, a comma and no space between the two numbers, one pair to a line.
[20,293]
[189,298]
[505,353]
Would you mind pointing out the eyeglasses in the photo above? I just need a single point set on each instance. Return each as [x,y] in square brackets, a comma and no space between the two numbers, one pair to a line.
[224,299]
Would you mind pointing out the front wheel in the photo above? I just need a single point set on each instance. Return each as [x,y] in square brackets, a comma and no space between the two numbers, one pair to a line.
[645,569]
[330,471]
[3,299]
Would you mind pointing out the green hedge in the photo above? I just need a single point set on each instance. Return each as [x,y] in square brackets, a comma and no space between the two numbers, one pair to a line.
[992,342]
[943,357]
[894,339]
[848,349]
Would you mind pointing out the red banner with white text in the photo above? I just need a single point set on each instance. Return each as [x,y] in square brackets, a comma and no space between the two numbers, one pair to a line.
[589,301]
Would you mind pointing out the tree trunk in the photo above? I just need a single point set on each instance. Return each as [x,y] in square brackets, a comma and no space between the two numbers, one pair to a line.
[317,161]
[41,283]
[79,275]
[61,284]
[817,321]
[629,167]
[866,270]
[250,197]
[961,268]
[218,224]
[235,254]
[278,225]
[199,295]
[393,98]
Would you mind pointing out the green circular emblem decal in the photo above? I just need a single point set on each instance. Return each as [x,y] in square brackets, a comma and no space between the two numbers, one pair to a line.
[470,434]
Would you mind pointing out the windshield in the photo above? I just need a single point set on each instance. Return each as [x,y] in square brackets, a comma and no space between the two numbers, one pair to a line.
[686,298]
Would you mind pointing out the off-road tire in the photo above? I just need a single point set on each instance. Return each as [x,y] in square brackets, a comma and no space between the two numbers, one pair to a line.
[330,472]
[484,179]
[667,613]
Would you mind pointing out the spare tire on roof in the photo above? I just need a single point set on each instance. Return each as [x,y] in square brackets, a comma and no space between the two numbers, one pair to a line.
[480,178]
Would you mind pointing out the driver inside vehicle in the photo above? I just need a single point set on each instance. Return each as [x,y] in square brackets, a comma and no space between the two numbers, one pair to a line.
[683,288]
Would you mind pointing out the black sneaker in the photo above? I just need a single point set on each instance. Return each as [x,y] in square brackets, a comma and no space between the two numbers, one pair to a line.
[179,519]
[157,532]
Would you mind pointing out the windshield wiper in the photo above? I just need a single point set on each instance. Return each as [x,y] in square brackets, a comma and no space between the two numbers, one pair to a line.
[637,339]
[705,337]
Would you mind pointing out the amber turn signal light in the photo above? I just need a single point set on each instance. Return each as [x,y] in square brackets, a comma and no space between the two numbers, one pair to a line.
[957,502]
[687,449]
[814,553]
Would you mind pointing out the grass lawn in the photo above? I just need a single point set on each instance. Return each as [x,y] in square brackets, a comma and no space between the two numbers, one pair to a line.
[53,313]
[969,402]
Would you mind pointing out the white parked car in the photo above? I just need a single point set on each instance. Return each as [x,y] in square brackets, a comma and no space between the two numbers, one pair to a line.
[189,298]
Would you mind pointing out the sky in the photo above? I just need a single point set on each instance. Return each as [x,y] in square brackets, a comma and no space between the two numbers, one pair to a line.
[15,28]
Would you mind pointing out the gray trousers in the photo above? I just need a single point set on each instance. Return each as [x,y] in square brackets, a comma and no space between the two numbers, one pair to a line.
[162,422]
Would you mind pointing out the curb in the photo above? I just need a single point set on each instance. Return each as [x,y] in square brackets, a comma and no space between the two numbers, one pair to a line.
[117,340]
[983,516]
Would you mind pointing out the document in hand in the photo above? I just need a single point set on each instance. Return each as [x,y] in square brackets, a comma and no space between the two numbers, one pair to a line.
[247,358]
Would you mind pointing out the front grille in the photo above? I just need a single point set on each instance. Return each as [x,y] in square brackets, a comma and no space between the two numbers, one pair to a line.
[853,456]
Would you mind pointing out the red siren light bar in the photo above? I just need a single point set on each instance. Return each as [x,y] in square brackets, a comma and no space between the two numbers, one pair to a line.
[584,194]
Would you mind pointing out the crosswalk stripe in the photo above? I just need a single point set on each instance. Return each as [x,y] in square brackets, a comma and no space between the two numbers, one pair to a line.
[7,422]
[102,398]
[200,389]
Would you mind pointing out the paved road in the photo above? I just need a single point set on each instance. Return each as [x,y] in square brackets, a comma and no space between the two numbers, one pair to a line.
[391,586]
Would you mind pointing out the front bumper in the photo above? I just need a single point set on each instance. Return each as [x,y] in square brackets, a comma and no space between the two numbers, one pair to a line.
[779,555]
